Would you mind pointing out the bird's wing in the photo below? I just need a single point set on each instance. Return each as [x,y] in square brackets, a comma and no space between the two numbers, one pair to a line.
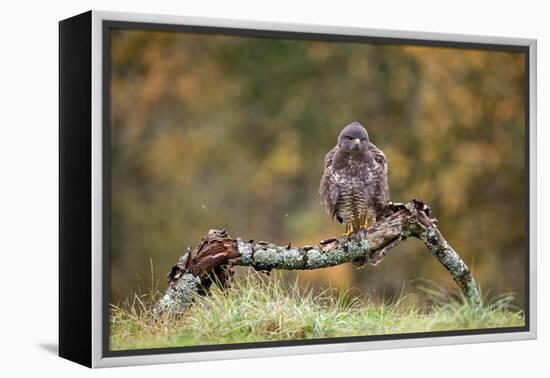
[328,188]
[329,156]
[381,172]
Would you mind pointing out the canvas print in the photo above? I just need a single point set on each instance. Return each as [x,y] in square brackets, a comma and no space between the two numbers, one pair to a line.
[294,188]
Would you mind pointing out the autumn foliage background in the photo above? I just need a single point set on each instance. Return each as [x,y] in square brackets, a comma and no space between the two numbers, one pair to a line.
[214,131]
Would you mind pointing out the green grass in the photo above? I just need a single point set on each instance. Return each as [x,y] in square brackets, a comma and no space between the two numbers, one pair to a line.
[258,308]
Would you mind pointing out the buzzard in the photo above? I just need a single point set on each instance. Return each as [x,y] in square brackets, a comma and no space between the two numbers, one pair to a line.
[354,187]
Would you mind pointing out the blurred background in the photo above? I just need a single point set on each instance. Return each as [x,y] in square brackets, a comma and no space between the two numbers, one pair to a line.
[212,131]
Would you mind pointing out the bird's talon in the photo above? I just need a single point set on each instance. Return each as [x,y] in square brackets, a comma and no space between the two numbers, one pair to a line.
[364,226]
[349,231]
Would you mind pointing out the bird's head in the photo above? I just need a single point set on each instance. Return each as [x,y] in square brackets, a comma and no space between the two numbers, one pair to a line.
[353,137]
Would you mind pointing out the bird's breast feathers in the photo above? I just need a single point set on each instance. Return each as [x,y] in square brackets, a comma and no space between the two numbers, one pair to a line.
[354,173]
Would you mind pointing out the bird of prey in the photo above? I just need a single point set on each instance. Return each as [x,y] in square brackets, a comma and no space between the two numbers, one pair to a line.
[354,187]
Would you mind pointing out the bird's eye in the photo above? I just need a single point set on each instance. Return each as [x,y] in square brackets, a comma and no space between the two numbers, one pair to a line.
[350,138]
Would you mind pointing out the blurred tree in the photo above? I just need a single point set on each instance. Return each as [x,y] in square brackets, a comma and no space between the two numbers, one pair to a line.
[212,131]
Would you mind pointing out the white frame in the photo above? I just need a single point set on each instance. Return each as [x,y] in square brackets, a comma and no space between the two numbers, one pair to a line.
[97,318]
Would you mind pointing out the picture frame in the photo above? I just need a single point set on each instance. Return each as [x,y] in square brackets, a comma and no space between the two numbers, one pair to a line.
[85,203]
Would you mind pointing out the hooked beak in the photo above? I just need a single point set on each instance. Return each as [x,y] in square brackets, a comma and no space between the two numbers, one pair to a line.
[356,143]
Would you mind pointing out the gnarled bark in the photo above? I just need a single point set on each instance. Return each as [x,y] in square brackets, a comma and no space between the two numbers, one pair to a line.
[213,258]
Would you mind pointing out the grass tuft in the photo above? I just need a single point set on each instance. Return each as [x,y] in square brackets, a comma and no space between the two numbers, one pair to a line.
[259,308]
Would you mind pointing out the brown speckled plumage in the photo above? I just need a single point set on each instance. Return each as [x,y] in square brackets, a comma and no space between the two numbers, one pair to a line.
[354,187]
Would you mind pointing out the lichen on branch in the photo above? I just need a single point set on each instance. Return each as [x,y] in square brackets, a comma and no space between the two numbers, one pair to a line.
[214,257]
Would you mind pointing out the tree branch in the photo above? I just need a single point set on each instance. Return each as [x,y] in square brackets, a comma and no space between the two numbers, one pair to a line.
[213,258]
